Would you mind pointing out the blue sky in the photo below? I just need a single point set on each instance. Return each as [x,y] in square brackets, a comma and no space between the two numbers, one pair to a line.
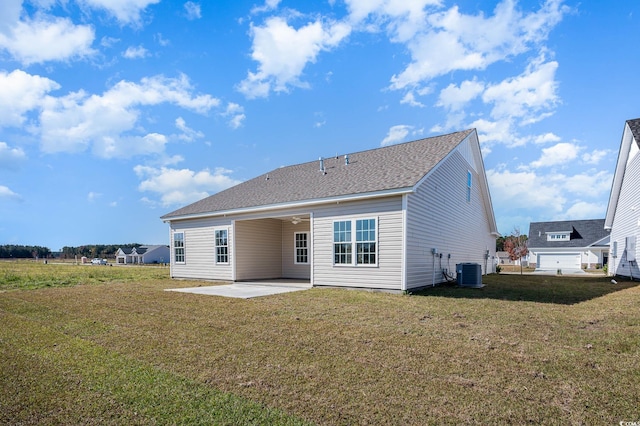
[115,112]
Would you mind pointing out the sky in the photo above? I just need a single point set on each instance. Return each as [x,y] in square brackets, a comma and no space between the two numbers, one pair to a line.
[115,112]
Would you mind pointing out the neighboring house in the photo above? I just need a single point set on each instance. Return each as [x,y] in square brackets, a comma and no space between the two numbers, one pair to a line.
[388,218]
[143,254]
[571,244]
[623,211]
[505,259]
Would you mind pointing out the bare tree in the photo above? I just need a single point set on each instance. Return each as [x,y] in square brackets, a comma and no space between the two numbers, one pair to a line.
[516,245]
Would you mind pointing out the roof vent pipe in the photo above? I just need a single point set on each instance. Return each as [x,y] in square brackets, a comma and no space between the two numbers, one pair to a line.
[321,165]
[346,159]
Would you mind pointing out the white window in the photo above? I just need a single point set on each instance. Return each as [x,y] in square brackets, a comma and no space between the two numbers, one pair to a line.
[301,240]
[342,247]
[364,239]
[469,185]
[222,246]
[178,247]
[558,236]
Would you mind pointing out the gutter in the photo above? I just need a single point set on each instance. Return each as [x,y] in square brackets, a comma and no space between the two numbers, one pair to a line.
[296,204]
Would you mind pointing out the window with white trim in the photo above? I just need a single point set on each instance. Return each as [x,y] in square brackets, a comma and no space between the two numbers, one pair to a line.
[178,247]
[222,246]
[469,185]
[301,241]
[362,242]
[558,236]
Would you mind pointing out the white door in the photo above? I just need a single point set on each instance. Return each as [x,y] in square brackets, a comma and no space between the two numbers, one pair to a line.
[559,261]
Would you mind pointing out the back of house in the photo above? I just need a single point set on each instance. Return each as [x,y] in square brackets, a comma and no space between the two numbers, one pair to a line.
[393,218]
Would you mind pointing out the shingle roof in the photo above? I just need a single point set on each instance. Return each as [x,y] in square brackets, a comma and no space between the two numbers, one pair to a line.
[634,125]
[388,168]
[583,233]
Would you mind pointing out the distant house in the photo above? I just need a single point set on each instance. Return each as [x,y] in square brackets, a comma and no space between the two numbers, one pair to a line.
[566,245]
[142,254]
[623,210]
[389,218]
[505,259]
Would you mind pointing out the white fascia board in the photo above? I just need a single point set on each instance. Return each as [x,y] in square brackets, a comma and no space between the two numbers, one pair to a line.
[295,204]
[616,185]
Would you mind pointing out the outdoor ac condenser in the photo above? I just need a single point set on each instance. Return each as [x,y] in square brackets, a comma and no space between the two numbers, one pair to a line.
[469,275]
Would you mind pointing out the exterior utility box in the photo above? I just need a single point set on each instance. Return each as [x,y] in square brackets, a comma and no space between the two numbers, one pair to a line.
[469,275]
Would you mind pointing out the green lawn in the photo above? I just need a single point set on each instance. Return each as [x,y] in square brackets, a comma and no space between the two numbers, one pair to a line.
[106,345]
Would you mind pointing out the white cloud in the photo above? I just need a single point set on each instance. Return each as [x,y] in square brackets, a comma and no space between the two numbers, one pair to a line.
[511,190]
[188,134]
[584,210]
[558,154]
[402,19]
[192,10]
[135,52]
[546,138]
[410,99]
[590,183]
[73,122]
[21,92]
[528,96]
[454,97]
[10,158]
[282,53]
[450,40]
[125,11]
[235,113]
[93,196]
[596,155]
[108,41]
[7,193]
[397,134]
[182,186]
[46,38]
[268,6]
[129,146]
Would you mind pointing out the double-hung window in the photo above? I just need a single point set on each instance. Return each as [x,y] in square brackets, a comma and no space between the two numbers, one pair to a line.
[301,247]
[362,242]
[178,247]
[222,246]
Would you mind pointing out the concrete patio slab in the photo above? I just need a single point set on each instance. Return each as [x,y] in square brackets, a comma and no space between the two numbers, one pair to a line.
[245,290]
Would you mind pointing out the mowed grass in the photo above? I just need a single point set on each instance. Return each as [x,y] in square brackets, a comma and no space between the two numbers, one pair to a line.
[530,349]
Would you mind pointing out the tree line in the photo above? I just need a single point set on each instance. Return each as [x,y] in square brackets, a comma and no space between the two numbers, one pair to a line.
[96,250]
[12,251]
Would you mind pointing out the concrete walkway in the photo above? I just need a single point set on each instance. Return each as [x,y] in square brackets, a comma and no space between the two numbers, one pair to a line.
[247,290]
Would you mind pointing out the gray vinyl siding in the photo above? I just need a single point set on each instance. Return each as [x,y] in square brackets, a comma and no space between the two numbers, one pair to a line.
[387,274]
[199,250]
[258,249]
[439,216]
[626,221]
[289,268]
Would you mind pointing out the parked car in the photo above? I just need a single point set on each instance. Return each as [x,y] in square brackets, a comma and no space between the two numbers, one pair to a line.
[98,261]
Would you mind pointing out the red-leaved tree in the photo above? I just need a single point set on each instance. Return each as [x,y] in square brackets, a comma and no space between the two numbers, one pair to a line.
[516,246]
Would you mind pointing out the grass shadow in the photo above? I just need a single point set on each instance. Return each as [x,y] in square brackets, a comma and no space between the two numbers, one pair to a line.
[563,290]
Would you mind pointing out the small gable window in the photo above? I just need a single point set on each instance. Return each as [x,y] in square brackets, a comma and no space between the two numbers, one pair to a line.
[469,185]
[558,236]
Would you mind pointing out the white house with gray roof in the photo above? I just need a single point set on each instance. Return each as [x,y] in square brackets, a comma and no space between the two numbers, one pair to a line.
[389,218]
[568,245]
[623,210]
[142,254]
